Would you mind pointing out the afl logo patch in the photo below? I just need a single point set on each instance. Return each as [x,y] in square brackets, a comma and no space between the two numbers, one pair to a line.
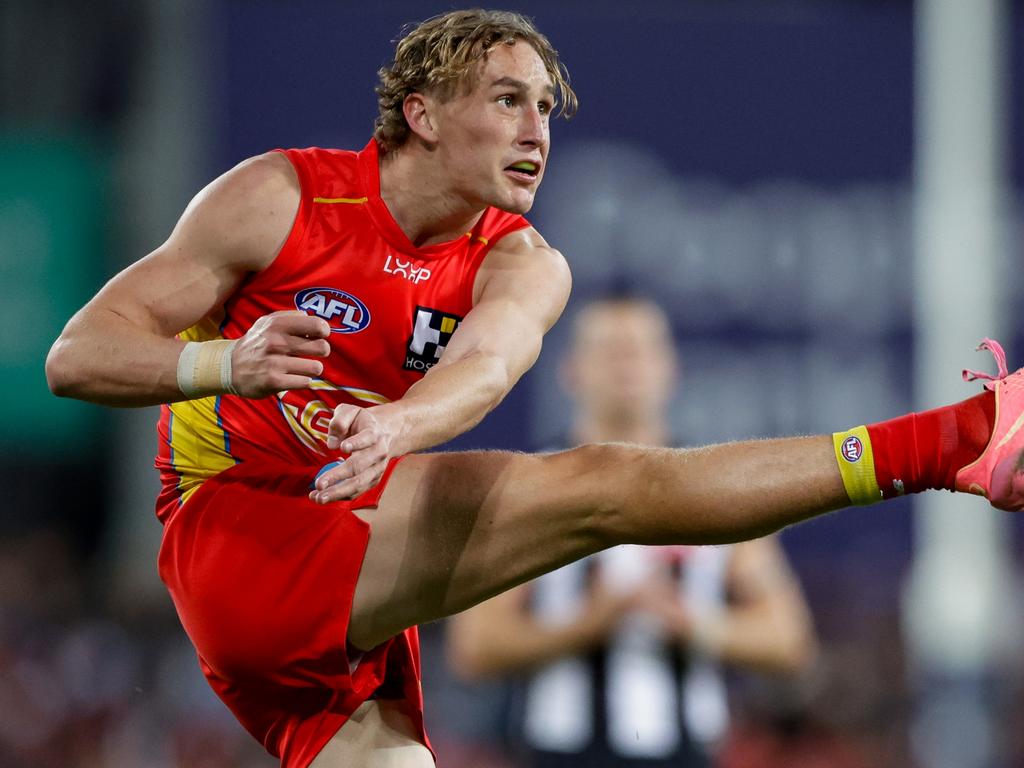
[853,449]
[343,311]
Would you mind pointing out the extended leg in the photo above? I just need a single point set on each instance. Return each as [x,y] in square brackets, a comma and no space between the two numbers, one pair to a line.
[453,529]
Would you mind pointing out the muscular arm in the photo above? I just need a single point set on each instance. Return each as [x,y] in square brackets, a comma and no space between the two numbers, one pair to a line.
[120,349]
[522,288]
[520,291]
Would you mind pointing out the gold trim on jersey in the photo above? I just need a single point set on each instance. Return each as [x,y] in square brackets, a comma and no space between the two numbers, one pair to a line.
[365,395]
[349,200]
[301,422]
[198,443]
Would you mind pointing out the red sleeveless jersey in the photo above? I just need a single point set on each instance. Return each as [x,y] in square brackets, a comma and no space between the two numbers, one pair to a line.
[392,308]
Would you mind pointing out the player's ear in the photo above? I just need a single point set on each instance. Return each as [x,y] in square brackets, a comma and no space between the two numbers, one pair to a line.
[418,109]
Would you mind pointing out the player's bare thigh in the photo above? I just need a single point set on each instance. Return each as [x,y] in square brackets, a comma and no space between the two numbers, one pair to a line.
[378,735]
[453,529]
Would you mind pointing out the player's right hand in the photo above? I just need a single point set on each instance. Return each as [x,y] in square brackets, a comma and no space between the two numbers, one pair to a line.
[275,354]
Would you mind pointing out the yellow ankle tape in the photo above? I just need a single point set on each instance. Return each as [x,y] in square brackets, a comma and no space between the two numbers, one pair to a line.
[857,465]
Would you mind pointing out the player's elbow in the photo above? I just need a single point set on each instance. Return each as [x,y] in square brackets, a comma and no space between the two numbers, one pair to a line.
[60,370]
[70,368]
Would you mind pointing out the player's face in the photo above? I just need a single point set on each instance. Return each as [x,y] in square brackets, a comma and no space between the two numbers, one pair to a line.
[494,138]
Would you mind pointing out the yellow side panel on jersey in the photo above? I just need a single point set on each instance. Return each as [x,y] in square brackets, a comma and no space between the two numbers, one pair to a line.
[206,329]
[199,445]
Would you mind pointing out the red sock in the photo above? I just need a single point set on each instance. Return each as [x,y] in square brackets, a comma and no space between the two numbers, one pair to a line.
[925,450]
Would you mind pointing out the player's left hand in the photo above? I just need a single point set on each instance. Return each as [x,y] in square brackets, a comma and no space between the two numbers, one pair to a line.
[367,439]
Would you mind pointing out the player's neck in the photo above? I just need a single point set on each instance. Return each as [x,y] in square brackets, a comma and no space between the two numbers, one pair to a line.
[415,195]
[643,431]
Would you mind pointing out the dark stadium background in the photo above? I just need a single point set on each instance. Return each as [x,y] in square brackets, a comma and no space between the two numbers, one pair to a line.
[797,108]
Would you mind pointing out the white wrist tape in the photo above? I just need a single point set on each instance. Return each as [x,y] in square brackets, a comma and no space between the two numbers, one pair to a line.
[204,368]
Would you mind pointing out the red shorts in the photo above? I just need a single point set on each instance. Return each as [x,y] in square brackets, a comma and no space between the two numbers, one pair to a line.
[263,581]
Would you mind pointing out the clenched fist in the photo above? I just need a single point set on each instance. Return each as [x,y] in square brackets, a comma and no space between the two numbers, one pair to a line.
[275,354]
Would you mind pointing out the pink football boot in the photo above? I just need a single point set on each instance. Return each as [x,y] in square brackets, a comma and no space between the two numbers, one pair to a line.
[998,474]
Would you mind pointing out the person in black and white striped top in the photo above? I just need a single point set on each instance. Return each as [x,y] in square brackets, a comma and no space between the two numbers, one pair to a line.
[622,650]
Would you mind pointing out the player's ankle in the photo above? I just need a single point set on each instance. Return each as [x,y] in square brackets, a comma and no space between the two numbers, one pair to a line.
[914,452]
[855,456]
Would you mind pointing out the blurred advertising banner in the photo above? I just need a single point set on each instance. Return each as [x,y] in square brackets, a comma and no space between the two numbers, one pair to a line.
[53,210]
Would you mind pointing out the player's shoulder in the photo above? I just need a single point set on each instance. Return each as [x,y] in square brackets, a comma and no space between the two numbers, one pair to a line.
[264,174]
[331,155]
[260,179]
[527,248]
[325,171]
[246,212]
[523,263]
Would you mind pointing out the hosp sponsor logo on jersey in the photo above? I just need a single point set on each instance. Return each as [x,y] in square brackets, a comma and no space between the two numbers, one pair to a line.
[432,329]
[343,311]
[395,266]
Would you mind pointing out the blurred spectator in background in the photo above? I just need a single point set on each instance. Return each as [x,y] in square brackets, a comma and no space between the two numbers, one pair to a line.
[83,686]
[623,648]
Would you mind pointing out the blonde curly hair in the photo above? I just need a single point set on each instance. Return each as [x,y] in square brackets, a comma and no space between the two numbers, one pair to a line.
[441,52]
